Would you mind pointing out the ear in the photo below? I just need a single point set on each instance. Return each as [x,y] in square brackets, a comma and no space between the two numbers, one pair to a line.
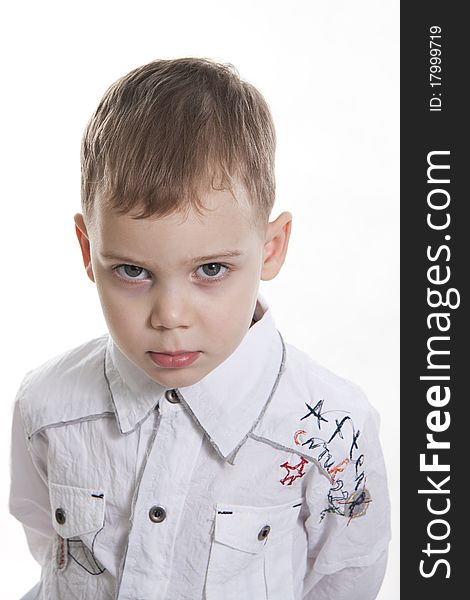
[84,241]
[275,246]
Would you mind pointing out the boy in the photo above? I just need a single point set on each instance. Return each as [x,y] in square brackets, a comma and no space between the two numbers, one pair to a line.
[192,453]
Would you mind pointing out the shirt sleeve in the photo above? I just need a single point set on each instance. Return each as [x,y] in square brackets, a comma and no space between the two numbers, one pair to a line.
[29,493]
[351,583]
[348,527]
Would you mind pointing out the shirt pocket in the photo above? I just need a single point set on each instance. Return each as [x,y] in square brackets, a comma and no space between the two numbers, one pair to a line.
[251,552]
[78,515]
[76,511]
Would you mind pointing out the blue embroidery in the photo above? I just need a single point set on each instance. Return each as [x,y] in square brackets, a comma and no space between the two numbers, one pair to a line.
[353,503]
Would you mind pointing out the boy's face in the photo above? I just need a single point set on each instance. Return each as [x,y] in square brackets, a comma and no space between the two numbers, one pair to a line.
[165,285]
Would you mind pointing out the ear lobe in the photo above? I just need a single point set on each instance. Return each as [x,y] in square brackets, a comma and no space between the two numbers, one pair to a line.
[83,240]
[275,248]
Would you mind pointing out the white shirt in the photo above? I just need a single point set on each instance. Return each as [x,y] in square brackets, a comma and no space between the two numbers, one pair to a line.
[263,481]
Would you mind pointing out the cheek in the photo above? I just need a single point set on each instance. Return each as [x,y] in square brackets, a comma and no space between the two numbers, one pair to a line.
[121,312]
[227,320]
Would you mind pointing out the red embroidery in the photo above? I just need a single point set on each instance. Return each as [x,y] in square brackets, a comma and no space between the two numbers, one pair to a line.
[297,435]
[338,468]
[290,478]
[62,553]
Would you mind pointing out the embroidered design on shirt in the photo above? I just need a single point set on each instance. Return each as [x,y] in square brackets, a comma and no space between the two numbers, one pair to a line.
[297,434]
[357,503]
[338,469]
[84,557]
[347,496]
[298,469]
[62,552]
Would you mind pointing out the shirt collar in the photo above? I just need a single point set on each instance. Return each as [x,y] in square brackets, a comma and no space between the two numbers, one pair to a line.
[227,403]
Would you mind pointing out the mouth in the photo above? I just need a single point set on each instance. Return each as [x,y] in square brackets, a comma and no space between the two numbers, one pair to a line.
[174,360]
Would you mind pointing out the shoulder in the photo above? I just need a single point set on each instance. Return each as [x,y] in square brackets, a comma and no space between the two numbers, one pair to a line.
[67,387]
[317,414]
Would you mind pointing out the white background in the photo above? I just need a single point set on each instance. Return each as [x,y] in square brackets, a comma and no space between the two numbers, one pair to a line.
[329,71]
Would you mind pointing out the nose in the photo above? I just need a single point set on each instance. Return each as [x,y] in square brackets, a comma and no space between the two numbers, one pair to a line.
[170,309]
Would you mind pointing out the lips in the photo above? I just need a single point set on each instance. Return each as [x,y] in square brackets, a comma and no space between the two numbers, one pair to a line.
[174,360]
[174,353]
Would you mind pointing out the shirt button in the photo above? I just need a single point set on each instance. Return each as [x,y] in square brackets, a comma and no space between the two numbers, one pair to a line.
[263,534]
[172,396]
[157,514]
[60,516]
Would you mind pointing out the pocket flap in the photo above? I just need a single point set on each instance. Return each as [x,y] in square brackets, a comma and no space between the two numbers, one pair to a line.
[252,528]
[76,510]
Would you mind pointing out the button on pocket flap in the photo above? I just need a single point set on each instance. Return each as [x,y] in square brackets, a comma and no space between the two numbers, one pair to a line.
[76,510]
[252,528]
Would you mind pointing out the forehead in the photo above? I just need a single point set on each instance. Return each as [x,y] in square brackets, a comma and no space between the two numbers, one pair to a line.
[225,224]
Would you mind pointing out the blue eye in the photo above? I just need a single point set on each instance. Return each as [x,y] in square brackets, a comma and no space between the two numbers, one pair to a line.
[211,271]
[132,272]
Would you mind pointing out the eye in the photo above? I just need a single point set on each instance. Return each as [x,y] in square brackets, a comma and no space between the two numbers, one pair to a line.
[131,272]
[210,272]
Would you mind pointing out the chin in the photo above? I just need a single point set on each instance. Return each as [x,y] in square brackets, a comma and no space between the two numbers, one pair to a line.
[177,380]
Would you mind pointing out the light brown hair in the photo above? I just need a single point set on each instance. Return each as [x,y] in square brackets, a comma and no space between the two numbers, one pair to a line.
[172,128]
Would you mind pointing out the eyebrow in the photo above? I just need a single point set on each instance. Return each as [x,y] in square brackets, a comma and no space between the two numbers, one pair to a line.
[191,261]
